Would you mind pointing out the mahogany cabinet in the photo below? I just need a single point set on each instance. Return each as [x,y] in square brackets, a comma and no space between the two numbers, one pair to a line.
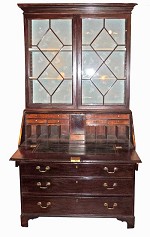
[76,151]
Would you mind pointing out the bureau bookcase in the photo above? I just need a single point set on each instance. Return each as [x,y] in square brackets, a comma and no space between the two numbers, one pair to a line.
[76,152]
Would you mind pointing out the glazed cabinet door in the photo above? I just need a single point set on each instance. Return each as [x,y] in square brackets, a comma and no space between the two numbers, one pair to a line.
[50,61]
[103,77]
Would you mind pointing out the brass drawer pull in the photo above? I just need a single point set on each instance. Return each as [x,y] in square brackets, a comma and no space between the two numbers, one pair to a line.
[110,188]
[42,171]
[110,208]
[110,172]
[44,207]
[43,187]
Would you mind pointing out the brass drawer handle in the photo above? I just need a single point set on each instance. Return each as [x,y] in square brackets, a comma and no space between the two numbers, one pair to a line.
[110,172]
[110,188]
[42,171]
[110,208]
[43,187]
[44,207]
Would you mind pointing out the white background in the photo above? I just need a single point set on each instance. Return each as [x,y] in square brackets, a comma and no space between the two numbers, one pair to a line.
[12,103]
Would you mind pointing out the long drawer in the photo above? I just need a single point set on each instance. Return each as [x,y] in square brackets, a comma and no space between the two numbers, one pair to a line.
[77,185]
[76,169]
[77,206]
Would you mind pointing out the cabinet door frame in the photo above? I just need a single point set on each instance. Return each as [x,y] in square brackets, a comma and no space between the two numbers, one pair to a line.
[27,29]
[127,61]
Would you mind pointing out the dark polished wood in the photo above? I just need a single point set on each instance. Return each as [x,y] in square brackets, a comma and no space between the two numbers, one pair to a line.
[74,173]
[74,159]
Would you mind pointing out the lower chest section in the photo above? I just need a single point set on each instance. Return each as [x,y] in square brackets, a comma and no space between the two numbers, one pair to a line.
[76,189]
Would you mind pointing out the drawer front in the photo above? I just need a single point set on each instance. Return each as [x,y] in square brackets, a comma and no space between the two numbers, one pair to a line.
[47,121]
[82,186]
[58,121]
[107,116]
[77,169]
[107,122]
[47,116]
[107,119]
[79,206]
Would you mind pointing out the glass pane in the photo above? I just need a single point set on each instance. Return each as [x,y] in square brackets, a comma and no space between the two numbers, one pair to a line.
[40,95]
[116,63]
[64,93]
[90,28]
[116,94]
[63,63]
[39,63]
[51,73]
[50,79]
[103,54]
[104,42]
[90,63]
[63,30]
[39,28]
[50,41]
[51,60]
[116,28]
[90,94]
[103,61]
[50,85]
[103,79]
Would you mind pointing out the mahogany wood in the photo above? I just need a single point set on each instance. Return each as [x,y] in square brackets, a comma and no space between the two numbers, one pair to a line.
[77,160]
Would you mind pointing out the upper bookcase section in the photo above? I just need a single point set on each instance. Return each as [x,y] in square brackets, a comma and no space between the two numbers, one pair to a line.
[77,55]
